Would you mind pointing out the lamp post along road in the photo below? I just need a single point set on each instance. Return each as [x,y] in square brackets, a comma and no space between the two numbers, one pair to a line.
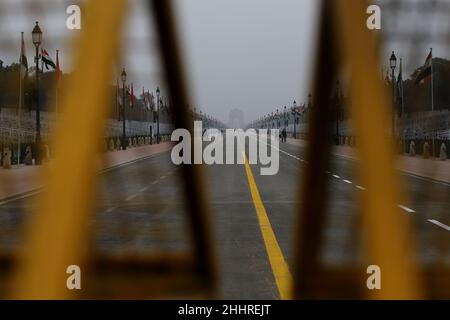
[36,35]
[124,137]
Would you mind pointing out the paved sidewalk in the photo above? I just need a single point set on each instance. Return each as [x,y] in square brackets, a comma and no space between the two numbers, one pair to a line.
[25,180]
[428,168]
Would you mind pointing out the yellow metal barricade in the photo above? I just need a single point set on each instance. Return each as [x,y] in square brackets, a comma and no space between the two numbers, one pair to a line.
[345,42]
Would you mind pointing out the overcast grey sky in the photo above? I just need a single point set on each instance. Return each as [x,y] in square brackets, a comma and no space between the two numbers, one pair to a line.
[253,55]
[248,54]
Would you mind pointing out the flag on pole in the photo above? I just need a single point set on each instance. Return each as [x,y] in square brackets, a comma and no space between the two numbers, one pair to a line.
[425,72]
[47,60]
[118,100]
[118,95]
[132,96]
[400,89]
[152,101]
[23,59]
[58,69]
[143,97]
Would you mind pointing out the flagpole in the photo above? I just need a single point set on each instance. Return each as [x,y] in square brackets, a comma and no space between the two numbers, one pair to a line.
[117,100]
[19,125]
[401,83]
[432,97]
[57,84]
[432,81]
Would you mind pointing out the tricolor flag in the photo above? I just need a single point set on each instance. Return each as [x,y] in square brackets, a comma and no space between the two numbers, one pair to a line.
[425,72]
[118,100]
[47,60]
[144,98]
[152,101]
[23,59]
[58,69]
[400,89]
[132,96]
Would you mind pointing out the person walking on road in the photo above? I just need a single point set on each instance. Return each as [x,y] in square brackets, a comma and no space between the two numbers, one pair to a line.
[283,135]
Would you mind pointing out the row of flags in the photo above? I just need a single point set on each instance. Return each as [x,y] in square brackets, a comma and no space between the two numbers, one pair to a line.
[424,76]
[45,58]
[147,98]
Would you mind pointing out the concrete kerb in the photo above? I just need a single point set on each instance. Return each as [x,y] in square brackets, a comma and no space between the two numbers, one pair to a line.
[404,171]
[37,190]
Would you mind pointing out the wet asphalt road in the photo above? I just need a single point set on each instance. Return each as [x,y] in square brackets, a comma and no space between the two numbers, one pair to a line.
[140,207]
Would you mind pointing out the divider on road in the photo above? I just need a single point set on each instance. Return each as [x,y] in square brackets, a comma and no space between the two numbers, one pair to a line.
[279,266]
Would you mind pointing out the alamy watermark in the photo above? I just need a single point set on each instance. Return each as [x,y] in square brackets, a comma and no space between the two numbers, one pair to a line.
[262,145]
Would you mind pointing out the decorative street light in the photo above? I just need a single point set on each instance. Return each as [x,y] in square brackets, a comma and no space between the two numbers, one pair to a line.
[36,36]
[124,137]
[158,92]
[393,64]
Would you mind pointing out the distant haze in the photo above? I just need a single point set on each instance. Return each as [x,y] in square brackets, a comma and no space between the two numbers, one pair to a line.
[252,55]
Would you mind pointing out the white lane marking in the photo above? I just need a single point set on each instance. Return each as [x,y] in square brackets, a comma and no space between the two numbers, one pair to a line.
[143,189]
[327,172]
[439,224]
[348,181]
[155,182]
[282,151]
[336,176]
[409,210]
[361,188]
[110,210]
[21,196]
[131,197]
[163,177]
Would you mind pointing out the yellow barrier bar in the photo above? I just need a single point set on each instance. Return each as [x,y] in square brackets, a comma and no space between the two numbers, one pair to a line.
[58,235]
[386,230]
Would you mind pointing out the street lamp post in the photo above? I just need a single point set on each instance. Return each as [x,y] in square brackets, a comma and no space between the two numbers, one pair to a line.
[124,137]
[158,92]
[393,64]
[37,40]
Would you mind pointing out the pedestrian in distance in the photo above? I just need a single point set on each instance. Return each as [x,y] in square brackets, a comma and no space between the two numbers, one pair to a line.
[283,135]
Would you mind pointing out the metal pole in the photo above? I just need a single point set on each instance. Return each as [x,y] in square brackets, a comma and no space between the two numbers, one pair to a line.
[432,102]
[157,122]
[295,126]
[337,115]
[124,141]
[20,109]
[38,112]
[393,103]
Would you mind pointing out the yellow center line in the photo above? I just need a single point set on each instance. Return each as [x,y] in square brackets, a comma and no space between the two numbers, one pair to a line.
[280,269]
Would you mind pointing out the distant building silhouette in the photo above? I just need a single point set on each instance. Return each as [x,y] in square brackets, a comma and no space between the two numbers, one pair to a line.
[236,119]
